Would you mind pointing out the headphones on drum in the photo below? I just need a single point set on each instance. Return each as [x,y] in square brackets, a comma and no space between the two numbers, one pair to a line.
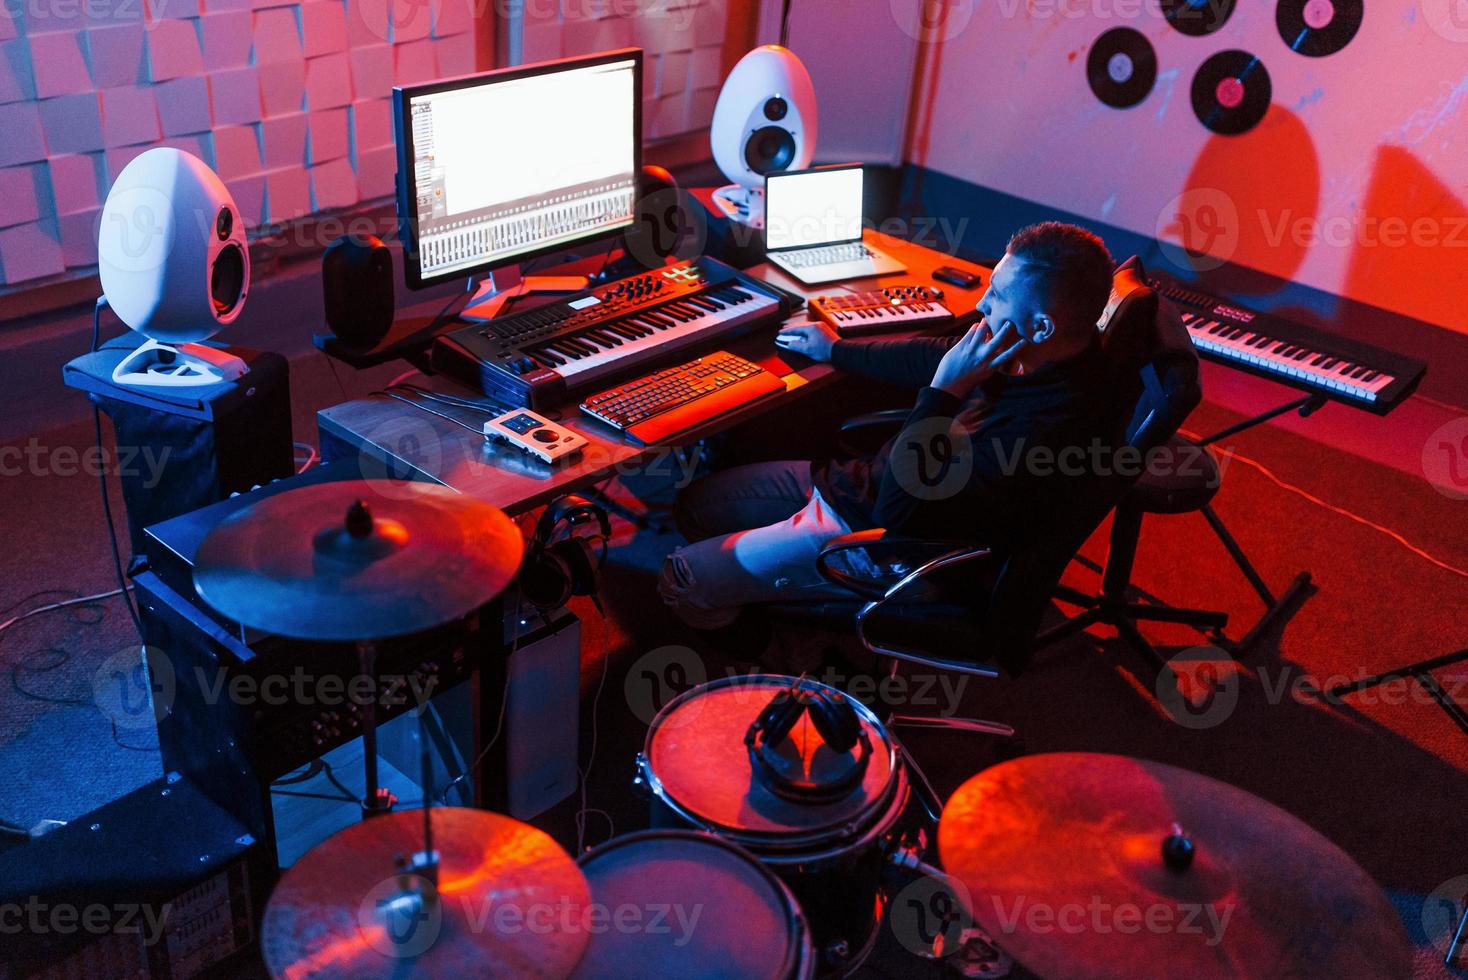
[838,726]
[562,563]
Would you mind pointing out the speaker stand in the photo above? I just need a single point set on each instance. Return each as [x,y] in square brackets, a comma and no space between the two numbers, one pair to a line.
[742,205]
[504,285]
[183,366]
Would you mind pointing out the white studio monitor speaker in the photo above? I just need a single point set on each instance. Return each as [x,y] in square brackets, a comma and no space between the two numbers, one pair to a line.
[175,267]
[764,122]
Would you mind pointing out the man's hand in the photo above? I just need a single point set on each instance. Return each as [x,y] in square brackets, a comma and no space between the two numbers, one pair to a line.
[814,340]
[977,355]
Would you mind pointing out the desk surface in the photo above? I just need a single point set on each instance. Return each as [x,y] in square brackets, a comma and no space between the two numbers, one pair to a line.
[392,440]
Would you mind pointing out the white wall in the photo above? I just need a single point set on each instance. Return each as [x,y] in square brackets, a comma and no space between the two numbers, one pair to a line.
[1367,149]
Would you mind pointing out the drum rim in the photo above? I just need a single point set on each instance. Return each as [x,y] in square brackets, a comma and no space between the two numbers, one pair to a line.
[799,962]
[788,847]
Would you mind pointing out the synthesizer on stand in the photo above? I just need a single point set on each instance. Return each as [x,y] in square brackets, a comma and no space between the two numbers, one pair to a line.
[894,308]
[549,355]
[1305,357]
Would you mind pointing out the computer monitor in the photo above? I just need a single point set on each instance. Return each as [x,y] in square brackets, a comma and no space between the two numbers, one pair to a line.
[502,166]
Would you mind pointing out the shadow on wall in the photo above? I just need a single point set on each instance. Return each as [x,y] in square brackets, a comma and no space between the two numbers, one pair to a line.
[1245,200]
[1410,243]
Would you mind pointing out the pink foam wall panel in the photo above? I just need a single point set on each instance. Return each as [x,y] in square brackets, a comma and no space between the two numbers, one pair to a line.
[130,115]
[283,141]
[328,82]
[283,86]
[17,82]
[30,251]
[79,237]
[76,182]
[236,152]
[277,36]
[375,170]
[287,99]
[59,66]
[173,50]
[372,70]
[73,123]
[705,67]
[333,185]
[234,96]
[672,72]
[455,55]
[20,189]
[412,20]
[371,124]
[249,198]
[323,27]
[414,63]
[183,105]
[542,38]
[287,193]
[173,9]
[227,37]
[116,54]
[369,22]
[327,136]
[452,17]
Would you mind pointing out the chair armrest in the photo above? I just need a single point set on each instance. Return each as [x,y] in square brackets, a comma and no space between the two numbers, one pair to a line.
[866,426]
[890,560]
[954,556]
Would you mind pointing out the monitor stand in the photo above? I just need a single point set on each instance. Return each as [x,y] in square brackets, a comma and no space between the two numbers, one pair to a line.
[504,285]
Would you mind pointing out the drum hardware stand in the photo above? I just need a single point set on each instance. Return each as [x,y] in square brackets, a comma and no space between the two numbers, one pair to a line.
[417,875]
[1274,606]
[976,955]
[1421,672]
[933,804]
[377,800]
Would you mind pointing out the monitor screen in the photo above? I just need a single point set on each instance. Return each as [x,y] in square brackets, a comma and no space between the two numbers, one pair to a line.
[513,163]
[813,207]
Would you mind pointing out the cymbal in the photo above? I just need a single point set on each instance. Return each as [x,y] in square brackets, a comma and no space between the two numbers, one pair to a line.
[506,894]
[1062,859]
[359,560]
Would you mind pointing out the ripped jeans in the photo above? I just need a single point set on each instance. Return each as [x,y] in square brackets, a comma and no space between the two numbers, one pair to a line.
[756,532]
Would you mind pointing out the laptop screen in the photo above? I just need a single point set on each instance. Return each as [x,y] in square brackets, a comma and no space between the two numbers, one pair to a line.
[812,207]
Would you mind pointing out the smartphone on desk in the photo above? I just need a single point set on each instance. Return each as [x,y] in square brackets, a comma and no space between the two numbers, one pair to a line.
[955,276]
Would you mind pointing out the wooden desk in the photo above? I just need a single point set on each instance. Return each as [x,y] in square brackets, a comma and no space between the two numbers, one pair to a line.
[397,441]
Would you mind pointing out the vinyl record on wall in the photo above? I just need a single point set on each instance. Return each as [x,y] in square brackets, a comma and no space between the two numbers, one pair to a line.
[1121,67]
[1318,27]
[1197,17]
[1231,92]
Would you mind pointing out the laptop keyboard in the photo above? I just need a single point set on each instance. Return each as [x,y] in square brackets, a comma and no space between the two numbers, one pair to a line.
[826,255]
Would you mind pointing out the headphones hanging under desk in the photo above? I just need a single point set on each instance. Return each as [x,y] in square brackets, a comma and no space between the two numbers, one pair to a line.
[561,562]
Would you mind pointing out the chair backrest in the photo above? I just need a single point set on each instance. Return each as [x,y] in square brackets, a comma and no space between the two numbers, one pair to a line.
[1157,381]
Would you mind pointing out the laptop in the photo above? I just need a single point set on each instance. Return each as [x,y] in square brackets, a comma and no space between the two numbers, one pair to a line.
[813,226]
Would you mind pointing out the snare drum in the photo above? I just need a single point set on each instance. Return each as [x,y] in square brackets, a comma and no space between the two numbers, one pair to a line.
[815,794]
[686,904]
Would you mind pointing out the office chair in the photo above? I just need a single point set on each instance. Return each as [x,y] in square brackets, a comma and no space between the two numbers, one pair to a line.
[1180,489]
[911,596]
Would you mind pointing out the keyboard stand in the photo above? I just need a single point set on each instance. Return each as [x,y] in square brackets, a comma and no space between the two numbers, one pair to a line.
[1298,590]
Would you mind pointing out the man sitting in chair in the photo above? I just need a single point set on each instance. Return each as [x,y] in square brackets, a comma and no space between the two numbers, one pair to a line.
[1007,414]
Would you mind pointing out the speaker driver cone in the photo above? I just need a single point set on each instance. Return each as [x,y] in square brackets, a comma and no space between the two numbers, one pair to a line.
[227,279]
[769,150]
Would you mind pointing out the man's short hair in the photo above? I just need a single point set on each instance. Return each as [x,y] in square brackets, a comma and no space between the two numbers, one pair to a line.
[1072,270]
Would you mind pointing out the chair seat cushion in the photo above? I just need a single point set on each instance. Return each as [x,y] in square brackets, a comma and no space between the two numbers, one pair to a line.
[1180,476]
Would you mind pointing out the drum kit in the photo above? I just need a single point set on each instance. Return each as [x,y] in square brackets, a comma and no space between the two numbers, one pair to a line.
[780,809]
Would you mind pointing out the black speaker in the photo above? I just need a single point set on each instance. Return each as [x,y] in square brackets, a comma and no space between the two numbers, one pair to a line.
[356,282]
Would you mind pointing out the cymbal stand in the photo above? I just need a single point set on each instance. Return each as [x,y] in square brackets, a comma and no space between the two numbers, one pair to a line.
[376,800]
[417,884]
